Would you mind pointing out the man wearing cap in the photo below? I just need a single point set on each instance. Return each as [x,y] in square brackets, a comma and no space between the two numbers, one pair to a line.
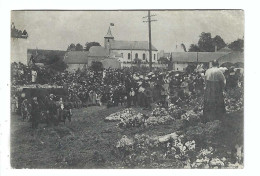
[214,107]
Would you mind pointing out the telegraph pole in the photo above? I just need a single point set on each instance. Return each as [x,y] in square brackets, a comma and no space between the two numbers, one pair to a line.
[150,37]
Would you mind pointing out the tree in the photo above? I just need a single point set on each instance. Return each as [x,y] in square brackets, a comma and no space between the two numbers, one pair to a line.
[79,47]
[218,42]
[237,45]
[96,66]
[60,65]
[54,62]
[194,48]
[71,47]
[206,43]
[163,60]
[190,68]
[88,45]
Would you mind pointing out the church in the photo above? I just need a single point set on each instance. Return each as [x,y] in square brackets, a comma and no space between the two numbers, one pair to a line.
[128,51]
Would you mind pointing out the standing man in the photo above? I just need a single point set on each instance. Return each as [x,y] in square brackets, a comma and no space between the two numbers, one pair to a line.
[25,109]
[34,76]
[132,97]
[35,113]
[60,110]
[214,107]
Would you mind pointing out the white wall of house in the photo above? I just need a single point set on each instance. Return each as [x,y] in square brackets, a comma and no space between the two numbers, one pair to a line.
[142,54]
[179,66]
[154,65]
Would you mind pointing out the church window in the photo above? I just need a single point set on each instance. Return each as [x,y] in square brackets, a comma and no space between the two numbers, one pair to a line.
[129,56]
[144,56]
[154,57]
[136,55]
[122,55]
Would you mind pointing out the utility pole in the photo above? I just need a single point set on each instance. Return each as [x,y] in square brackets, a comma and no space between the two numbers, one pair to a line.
[150,37]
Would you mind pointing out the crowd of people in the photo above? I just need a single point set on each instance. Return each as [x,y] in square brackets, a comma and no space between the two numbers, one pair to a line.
[114,87]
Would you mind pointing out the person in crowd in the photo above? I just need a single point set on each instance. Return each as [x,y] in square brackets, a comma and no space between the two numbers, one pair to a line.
[214,107]
[164,93]
[116,96]
[199,83]
[35,113]
[52,108]
[140,95]
[25,109]
[132,97]
[148,98]
[67,112]
[60,110]
[34,76]
[185,85]
[99,103]
[91,94]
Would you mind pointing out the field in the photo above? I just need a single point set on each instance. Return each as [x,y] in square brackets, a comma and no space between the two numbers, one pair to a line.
[90,142]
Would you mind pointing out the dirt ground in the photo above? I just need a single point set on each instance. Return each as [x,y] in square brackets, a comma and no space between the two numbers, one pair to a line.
[88,141]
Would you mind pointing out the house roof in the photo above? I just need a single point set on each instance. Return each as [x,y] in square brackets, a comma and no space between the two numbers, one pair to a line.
[193,56]
[130,45]
[98,51]
[82,57]
[225,49]
[40,54]
[76,57]
[233,57]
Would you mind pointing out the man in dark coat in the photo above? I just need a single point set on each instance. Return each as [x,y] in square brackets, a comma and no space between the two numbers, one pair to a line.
[214,107]
[35,113]
[148,98]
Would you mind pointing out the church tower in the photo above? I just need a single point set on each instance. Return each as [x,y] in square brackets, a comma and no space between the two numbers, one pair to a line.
[108,38]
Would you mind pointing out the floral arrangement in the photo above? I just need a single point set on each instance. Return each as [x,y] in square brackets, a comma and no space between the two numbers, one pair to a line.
[133,120]
[124,114]
[208,158]
[162,151]
[234,100]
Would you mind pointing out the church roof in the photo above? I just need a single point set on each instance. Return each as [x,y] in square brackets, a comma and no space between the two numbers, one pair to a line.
[130,45]
[109,33]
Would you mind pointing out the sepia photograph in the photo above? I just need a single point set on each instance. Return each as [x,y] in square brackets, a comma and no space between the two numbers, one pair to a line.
[127,89]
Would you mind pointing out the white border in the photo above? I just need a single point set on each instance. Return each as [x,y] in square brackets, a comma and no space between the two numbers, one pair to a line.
[251,78]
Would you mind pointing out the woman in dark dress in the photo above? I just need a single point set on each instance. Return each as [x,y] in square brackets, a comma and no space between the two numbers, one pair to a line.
[214,107]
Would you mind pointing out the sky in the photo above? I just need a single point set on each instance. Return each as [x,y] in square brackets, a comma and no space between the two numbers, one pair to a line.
[57,29]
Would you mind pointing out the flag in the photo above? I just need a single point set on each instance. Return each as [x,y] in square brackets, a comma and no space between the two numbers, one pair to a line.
[112,24]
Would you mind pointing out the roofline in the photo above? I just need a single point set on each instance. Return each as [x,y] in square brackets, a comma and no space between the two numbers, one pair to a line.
[75,63]
[203,52]
[134,49]
[45,50]
[192,61]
